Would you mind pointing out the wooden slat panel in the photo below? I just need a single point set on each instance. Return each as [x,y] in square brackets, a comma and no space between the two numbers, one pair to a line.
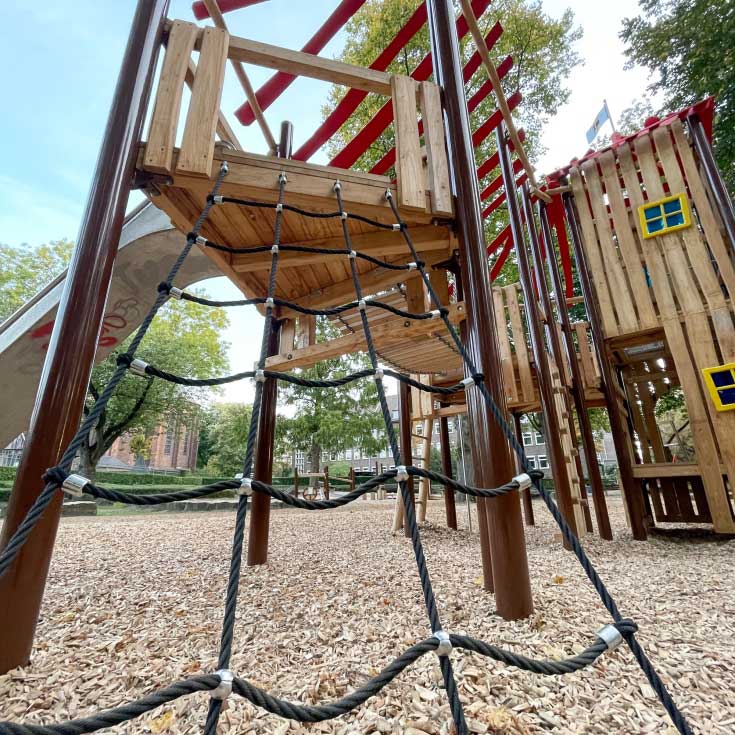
[627,243]
[409,168]
[622,301]
[707,456]
[704,210]
[506,357]
[592,251]
[519,340]
[197,144]
[440,192]
[159,149]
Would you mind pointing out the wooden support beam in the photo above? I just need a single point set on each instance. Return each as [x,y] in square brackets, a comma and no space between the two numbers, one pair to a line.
[216,15]
[378,244]
[307,65]
[383,334]
[409,165]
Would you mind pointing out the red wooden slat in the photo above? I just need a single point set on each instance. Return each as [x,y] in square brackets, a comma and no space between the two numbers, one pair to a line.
[494,120]
[499,200]
[280,81]
[380,121]
[390,157]
[500,261]
[497,183]
[200,9]
[499,240]
[494,161]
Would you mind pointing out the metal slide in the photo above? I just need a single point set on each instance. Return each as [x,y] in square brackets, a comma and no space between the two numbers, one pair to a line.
[148,246]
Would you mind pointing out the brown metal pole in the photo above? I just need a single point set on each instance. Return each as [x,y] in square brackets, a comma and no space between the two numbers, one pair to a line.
[63,384]
[526,492]
[493,461]
[714,177]
[533,317]
[446,450]
[631,486]
[404,415]
[556,348]
[260,511]
[588,440]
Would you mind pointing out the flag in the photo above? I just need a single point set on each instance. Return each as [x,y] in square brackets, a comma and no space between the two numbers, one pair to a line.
[602,117]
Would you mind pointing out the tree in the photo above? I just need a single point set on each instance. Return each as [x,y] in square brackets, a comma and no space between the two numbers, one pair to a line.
[185,339]
[689,45]
[332,419]
[25,270]
[228,425]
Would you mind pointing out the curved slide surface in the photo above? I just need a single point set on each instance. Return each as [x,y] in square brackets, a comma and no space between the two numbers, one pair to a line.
[149,244]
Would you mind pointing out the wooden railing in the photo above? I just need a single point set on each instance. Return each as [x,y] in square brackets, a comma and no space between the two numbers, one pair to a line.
[420,171]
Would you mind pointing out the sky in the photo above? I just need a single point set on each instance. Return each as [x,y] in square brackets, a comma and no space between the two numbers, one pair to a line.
[59,67]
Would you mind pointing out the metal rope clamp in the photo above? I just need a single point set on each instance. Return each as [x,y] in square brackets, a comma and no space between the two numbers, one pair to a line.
[282,178]
[468,382]
[401,473]
[352,254]
[176,293]
[138,367]
[246,487]
[226,677]
[337,185]
[74,485]
[260,376]
[343,215]
[378,374]
[397,227]
[218,199]
[524,481]
[224,168]
[279,207]
[412,266]
[445,644]
[201,240]
[362,305]
[274,249]
[611,636]
[270,303]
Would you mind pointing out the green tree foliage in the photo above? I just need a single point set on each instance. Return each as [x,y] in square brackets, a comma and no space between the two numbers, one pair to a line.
[185,338]
[328,419]
[689,44]
[227,430]
[25,270]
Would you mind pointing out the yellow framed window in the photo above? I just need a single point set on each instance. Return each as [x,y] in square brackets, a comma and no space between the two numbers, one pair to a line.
[720,382]
[664,216]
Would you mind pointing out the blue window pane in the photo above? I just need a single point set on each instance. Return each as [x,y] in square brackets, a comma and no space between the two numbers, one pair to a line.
[653,212]
[672,207]
[656,225]
[674,220]
[723,379]
[727,396]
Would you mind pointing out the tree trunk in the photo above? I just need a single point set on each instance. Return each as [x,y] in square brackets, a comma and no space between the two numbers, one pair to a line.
[315,458]
[88,462]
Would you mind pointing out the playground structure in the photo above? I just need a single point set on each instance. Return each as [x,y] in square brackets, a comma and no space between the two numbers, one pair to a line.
[302,241]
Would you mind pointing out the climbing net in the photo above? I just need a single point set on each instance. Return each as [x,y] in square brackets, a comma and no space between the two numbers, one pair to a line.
[223,683]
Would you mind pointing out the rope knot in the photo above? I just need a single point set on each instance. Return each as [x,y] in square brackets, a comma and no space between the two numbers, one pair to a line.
[124,359]
[191,237]
[55,476]
[164,287]
[536,474]
[627,628]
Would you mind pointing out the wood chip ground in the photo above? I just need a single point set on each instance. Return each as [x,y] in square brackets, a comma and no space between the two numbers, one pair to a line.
[135,602]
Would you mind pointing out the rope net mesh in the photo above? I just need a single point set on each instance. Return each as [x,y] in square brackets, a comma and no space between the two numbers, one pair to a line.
[222,683]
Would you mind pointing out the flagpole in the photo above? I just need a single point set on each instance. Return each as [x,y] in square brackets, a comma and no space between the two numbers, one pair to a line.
[610,117]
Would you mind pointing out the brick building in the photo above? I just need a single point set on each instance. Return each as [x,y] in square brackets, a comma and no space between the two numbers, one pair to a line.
[174,446]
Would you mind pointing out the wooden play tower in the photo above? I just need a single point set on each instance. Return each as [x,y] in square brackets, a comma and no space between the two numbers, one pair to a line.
[658,309]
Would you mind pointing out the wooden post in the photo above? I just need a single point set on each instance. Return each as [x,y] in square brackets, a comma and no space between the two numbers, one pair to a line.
[446,450]
[493,462]
[63,384]
[260,510]
[326,482]
[296,481]
[526,494]
[533,317]
[588,440]
[404,414]
[630,486]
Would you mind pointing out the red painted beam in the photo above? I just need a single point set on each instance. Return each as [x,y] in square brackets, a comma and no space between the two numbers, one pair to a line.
[497,183]
[494,120]
[558,222]
[380,121]
[494,161]
[497,202]
[500,260]
[390,157]
[200,9]
[499,240]
[280,81]
[350,102]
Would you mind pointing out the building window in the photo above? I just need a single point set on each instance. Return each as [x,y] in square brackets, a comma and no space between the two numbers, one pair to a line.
[543,462]
[531,462]
[527,438]
[169,441]
[720,382]
[394,414]
[420,429]
[186,441]
[539,437]
[664,216]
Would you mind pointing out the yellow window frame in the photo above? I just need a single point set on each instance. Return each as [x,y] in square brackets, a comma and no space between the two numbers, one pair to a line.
[665,230]
[714,389]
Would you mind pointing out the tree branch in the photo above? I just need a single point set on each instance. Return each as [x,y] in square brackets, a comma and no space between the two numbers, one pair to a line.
[115,430]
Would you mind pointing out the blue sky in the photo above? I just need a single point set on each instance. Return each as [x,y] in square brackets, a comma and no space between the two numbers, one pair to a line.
[61,60]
